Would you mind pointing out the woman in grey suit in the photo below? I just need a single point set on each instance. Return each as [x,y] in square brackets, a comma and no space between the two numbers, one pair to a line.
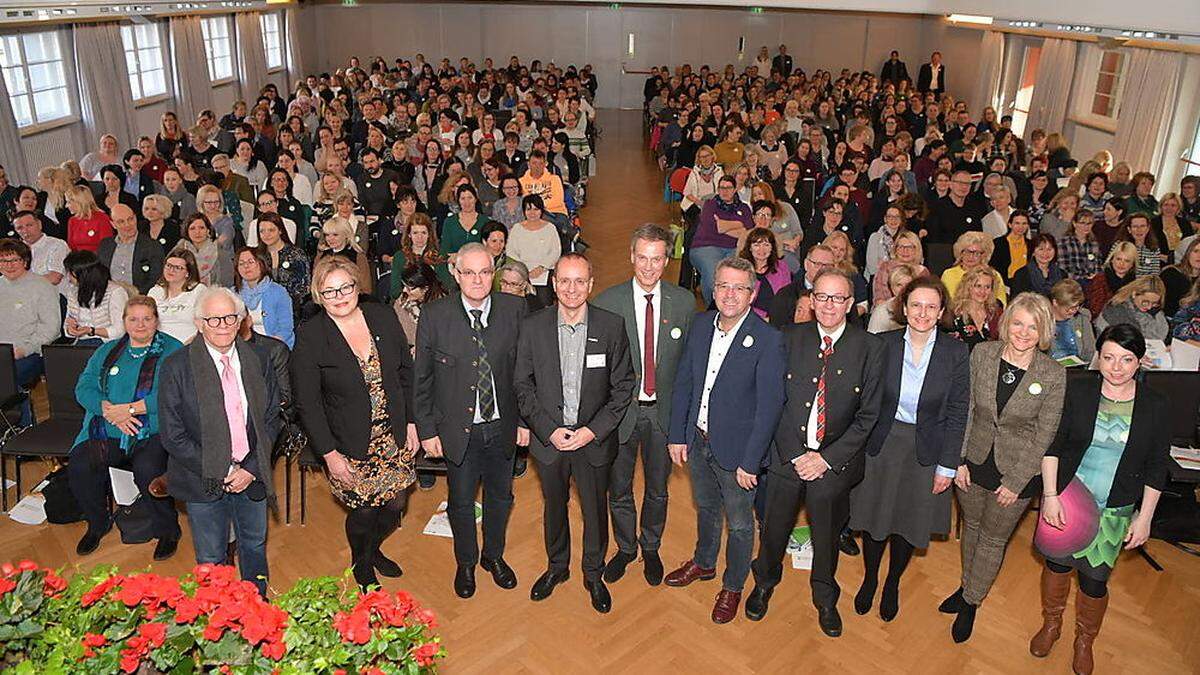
[1016,402]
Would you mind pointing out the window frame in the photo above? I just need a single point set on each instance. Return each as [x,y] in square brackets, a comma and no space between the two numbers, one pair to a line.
[1085,97]
[65,59]
[209,40]
[146,99]
[280,43]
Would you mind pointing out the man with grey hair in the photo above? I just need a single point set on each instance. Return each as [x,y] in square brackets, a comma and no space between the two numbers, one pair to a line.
[218,402]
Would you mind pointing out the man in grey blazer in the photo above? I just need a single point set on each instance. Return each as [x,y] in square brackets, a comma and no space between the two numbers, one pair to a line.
[657,316]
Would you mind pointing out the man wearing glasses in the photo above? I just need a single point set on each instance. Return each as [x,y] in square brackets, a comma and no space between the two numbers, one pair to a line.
[465,408]
[29,305]
[218,407]
[729,394]
[959,211]
[833,398]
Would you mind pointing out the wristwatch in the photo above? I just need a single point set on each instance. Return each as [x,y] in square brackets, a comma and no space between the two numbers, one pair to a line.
[132,411]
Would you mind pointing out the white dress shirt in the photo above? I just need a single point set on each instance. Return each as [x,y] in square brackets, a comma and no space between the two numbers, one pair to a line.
[639,314]
[486,308]
[722,342]
[811,439]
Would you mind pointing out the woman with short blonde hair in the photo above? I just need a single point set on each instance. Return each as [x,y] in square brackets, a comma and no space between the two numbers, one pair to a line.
[88,225]
[338,240]
[972,250]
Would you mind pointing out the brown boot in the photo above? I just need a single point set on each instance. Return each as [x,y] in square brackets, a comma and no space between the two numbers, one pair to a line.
[1055,589]
[1089,614]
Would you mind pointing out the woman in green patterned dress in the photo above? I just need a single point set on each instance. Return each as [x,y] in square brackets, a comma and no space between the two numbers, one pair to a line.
[1112,451]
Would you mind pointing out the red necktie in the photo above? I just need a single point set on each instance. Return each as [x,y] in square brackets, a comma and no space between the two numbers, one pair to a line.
[648,351]
[825,352]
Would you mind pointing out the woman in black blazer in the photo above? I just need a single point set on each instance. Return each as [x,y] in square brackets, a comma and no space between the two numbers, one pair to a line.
[1112,450]
[352,375]
[904,496]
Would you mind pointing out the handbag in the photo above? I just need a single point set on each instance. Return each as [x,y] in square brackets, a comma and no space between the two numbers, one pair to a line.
[135,522]
[61,505]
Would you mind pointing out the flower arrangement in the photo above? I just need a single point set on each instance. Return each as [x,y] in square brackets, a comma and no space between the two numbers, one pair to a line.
[207,621]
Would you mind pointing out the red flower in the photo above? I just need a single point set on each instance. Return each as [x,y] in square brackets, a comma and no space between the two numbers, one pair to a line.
[6,585]
[372,671]
[156,633]
[354,627]
[426,652]
[100,590]
[129,664]
[186,610]
[7,569]
[90,642]
[53,583]
[213,633]
[27,566]
[426,617]
[273,649]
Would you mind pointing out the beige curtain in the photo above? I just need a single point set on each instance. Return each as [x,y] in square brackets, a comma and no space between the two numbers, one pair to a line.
[252,61]
[12,153]
[1147,103]
[105,99]
[295,61]
[193,87]
[991,66]
[1052,88]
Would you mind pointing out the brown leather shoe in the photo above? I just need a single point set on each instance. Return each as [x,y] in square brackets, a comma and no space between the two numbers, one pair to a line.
[726,607]
[689,572]
[158,487]
[1055,588]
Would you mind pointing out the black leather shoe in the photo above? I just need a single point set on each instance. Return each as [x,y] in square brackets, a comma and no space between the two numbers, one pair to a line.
[502,574]
[426,481]
[953,604]
[757,603]
[847,544]
[964,623]
[544,586]
[601,600]
[165,548]
[615,569]
[520,466]
[652,567]
[386,566]
[90,540]
[830,620]
[464,581]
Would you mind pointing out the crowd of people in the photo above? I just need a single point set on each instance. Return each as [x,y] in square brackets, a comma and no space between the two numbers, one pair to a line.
[387,261]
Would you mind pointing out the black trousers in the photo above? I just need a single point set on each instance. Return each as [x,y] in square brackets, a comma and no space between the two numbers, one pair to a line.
[91,483]
[656,467]
[592,485]
[486,461]
[828,503]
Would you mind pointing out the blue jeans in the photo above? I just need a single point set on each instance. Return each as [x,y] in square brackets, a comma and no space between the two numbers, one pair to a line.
[715,490]
[29,369]
[705,259]
[210,534]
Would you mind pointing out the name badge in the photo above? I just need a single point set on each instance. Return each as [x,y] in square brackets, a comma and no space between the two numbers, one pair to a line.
[595,361]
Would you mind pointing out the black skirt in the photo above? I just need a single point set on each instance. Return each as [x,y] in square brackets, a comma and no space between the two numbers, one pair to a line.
[896,493]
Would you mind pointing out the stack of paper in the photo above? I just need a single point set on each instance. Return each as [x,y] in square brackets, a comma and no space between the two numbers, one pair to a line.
[800,546]
[439,522]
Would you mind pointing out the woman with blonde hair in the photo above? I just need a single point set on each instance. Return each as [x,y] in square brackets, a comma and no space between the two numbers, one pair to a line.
[1060,214]
[158,223]
[843,259]
[1073,333]
[55,183]
[976,311]
[1016,401]
[1180,277]
[1170,226]
[906,250]
[883,314]
[972,250]
[1138,303]
[88,225]
[1119,269]
[337,239]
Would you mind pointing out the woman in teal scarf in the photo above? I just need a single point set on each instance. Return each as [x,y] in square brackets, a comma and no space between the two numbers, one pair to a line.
[119,393]
[1111,452]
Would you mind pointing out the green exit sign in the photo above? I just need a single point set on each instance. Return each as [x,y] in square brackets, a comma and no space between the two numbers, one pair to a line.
[753,10]
[349,3]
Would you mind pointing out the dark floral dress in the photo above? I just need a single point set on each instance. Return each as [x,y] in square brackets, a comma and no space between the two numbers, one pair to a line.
[388,468]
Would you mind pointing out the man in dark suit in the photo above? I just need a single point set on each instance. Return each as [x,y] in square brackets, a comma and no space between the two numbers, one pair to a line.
[132,256]
[574,381]
[728,397]
[894,70]
[782,63]
[932,76]
[466,409]
[833,390]
[218,416]
[657,315]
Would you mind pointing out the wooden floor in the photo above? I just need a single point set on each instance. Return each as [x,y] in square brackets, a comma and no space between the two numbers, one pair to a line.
[1151,627]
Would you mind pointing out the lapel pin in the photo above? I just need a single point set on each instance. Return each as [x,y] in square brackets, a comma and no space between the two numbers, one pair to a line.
[748,342]
[675,333]
[1035,388]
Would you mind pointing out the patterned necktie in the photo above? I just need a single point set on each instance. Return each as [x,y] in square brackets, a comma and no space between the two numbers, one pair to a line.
[825,352]
[648,353]
[487,395]
[238,440]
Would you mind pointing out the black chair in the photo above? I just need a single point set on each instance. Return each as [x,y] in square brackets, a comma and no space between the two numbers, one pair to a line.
[1182,389]
[11,401]
[55,436]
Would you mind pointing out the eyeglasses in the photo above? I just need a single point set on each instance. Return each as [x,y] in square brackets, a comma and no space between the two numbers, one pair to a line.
[340,291]
[732,288]
[10,261]
[477,274]
[267,202]
[218,321]
[174,267]
[827,297]
[512,285]
[972,251]
[212,202]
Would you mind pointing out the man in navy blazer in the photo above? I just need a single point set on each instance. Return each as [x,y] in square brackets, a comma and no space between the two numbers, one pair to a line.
[729,394]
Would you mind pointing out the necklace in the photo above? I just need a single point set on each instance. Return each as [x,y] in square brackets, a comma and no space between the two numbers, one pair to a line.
[141,353]
[1010,373]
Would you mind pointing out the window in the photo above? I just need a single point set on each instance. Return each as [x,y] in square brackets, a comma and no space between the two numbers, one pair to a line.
[1029,68]
[272,41]
[1108,84]
[1193,155]
[144,59]
[218,47]
[36,77]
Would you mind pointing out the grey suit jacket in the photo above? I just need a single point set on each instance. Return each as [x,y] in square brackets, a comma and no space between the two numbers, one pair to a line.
[1023,432]
[676,309]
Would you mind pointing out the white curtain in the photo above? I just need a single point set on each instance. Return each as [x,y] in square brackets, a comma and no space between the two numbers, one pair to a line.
[12,153]
[1052,88]
[295,63]
[193,87]
[991,65]
[105,99]
[1147,102]
[252,64]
